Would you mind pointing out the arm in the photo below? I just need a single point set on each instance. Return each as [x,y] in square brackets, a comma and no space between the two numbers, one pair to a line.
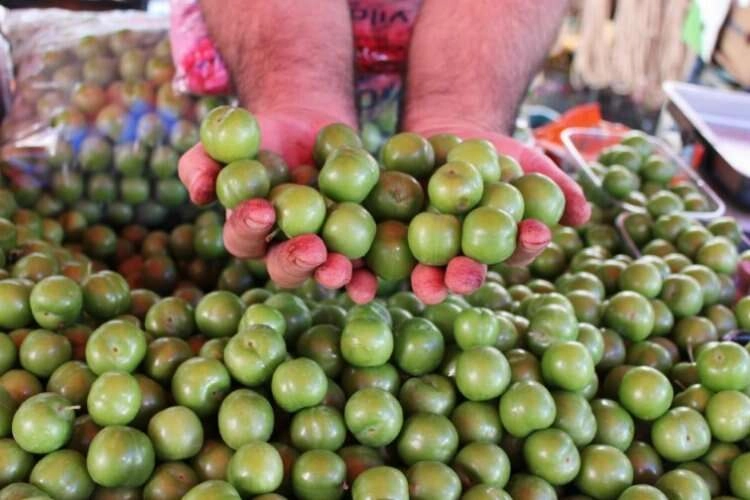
[469,65]
[287,54]
[291,62]
[471,62]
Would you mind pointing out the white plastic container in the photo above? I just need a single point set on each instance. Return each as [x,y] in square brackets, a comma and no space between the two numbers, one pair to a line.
[585,144]
[721,119]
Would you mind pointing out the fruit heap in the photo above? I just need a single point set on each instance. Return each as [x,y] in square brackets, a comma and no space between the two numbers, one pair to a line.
[634,171]
[590,373]
[118,130]
[188,257]
[437,205]
[681,241]
[147,363]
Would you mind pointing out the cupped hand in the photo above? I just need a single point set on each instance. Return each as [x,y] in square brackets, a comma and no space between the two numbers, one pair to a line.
[290,133]
[462,275]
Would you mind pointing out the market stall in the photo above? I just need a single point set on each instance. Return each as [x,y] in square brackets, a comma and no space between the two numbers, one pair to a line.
[189,310]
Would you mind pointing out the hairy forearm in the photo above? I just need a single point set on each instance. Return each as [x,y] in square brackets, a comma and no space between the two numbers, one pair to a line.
[471,61]
[286,53]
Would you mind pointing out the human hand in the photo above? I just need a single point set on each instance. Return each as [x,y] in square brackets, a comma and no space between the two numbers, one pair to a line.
[290,133]
[463,275]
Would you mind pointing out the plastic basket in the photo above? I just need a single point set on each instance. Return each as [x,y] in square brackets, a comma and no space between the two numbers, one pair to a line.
[585,144]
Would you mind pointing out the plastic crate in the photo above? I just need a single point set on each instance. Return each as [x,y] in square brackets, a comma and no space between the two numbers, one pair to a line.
[585,144]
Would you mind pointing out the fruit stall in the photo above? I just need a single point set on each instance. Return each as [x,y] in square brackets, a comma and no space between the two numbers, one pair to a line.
[388,330]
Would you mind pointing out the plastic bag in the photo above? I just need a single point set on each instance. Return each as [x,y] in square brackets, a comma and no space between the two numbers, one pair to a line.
[382,30]
[94,122]
[200,69]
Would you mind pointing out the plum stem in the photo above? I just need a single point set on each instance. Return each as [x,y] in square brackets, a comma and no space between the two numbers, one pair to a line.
[272,234]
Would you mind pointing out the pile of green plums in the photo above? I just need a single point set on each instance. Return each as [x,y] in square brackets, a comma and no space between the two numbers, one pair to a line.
[426,201]
[636,172]
[588,374]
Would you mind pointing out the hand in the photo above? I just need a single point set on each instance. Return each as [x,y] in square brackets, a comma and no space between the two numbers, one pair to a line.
[462,275]
[290,133]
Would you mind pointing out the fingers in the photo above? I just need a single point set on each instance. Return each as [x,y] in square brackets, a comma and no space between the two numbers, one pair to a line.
[428,284]
[464,275]
[362,287]
[246,228]
[291,262]
[335,272]
[577,209]
[533,237]
[198,172]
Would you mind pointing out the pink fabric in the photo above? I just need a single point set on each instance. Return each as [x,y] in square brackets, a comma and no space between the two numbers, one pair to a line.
[382,30]
[200,68]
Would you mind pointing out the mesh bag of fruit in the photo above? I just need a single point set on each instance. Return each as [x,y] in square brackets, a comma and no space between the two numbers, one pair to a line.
[94,123]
